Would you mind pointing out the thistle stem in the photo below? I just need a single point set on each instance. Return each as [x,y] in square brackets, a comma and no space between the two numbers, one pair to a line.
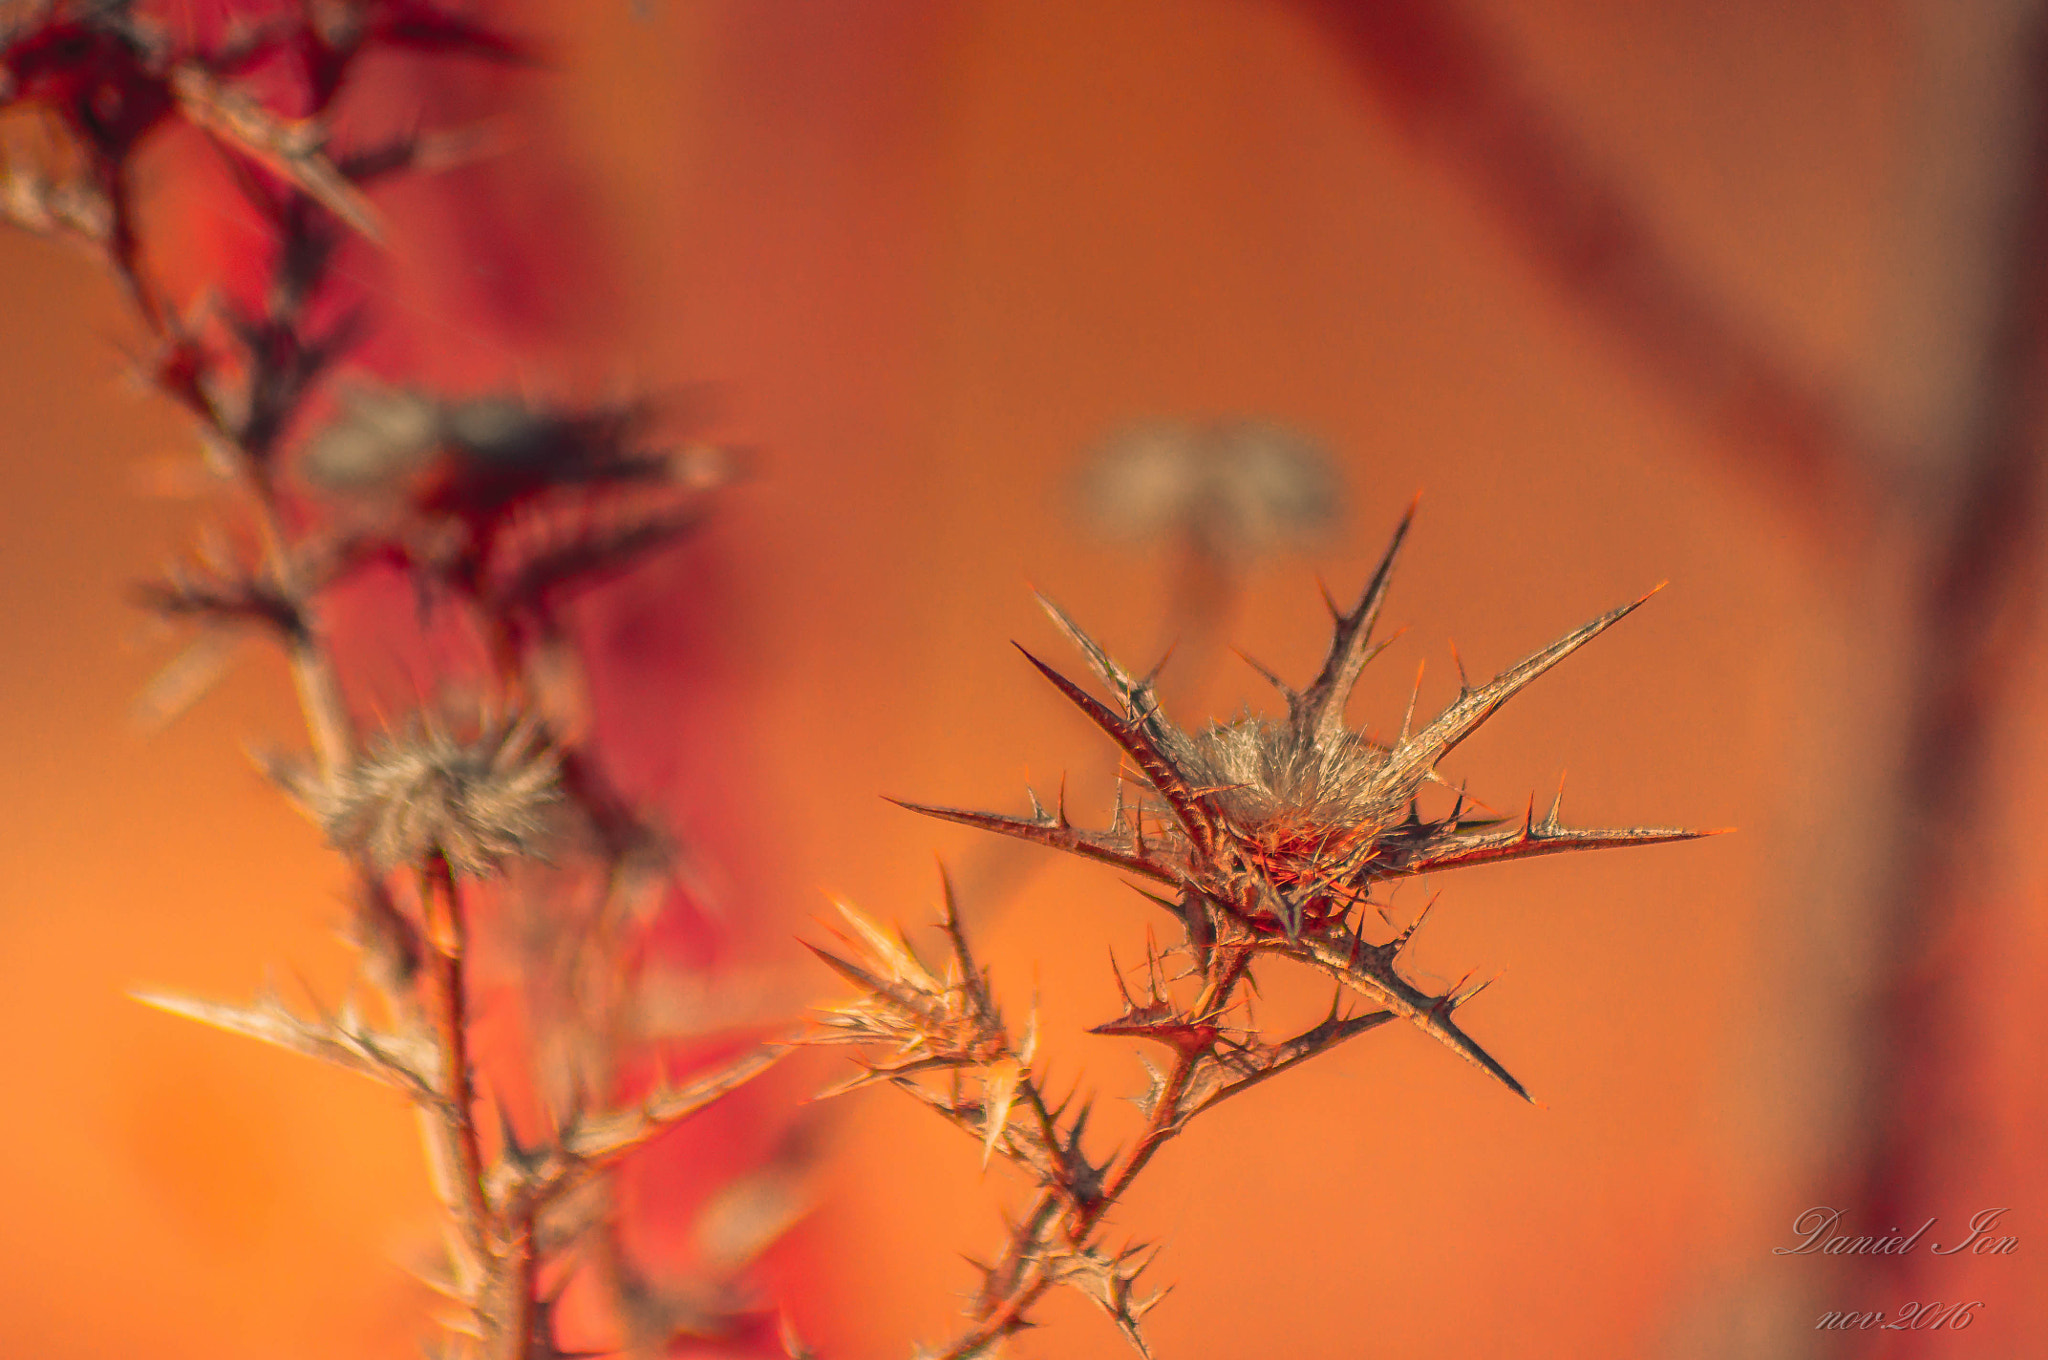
[520,1281]
[328,725]
[1227,970]
[448,1004]
[1075,1219]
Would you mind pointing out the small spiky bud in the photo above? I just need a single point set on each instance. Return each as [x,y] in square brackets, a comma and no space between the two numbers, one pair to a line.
[423,791]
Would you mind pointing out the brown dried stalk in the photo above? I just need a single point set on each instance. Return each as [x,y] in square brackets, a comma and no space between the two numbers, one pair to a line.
[491,504]
[1268,839]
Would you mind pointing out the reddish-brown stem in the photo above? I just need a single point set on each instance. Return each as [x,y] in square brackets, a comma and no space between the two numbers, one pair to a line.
[448,1004]
[1032,1282]
[124,251]
[1084,1218]
[1230,962]
[520,1282]
[1048,1129]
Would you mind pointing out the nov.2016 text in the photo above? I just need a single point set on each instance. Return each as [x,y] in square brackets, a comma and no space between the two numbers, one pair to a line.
[1914,1317]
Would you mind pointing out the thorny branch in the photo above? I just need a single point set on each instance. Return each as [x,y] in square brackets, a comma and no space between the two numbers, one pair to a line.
[1270,838]
[449,1001]
[500,508]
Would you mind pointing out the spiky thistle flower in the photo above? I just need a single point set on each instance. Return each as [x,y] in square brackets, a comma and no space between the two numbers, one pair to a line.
[422,791]
[1272,834]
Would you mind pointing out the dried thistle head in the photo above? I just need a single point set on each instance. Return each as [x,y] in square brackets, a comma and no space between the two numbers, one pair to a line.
[1270,835]
[423,791]
[1275,831]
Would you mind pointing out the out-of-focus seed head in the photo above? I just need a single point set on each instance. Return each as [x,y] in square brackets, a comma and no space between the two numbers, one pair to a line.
[475,459]
[501,431]
[384,436]
[423,791]
[1237,486]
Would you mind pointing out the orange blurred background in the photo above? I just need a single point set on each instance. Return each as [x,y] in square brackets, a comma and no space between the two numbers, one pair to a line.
[931,254]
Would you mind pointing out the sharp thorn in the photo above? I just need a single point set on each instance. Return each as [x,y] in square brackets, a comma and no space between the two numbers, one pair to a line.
[1116,971]
[1152,675]
[1268,676]
[1408,718]
[1401,940]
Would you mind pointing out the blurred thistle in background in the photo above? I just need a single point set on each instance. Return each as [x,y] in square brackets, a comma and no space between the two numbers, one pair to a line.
[1208,499]
[1228,488]
[1214,496]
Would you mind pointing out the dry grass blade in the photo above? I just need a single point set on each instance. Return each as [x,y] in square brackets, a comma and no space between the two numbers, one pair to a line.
[398,1060]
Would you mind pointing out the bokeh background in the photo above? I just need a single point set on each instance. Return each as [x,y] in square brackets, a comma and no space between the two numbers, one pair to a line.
[1736,295]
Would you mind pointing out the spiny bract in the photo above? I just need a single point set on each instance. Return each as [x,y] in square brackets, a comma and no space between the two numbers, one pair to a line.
[1281,828]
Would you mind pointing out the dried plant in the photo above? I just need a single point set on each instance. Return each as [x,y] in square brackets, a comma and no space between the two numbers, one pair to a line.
[1263,841]
[497,511]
